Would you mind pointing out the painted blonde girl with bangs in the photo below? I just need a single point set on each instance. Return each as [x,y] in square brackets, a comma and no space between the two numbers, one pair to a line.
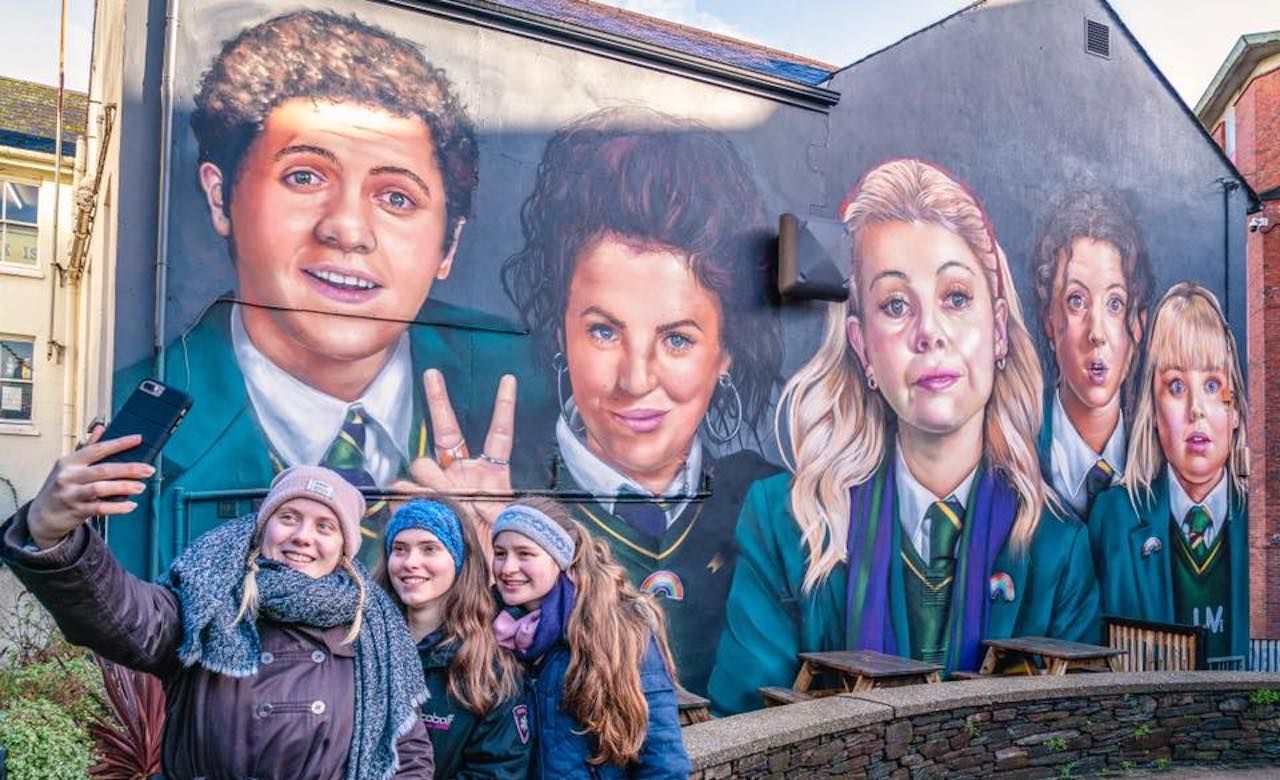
[915,506]
[1171,541]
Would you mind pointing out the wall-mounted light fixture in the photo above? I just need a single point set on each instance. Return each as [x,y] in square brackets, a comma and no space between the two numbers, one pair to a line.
[813,258]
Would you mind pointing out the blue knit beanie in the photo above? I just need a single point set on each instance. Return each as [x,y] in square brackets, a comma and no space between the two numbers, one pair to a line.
[432,516]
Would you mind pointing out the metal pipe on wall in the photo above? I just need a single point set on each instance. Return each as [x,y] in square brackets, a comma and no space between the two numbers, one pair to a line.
[162,253]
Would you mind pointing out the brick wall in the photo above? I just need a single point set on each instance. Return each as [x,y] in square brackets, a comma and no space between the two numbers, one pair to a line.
[1257,116]
[1018,727]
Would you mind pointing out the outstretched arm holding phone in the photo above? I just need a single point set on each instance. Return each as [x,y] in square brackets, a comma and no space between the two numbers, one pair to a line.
[67,566]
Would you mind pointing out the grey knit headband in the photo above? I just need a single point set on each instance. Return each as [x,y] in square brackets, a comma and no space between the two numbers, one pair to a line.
[540,529]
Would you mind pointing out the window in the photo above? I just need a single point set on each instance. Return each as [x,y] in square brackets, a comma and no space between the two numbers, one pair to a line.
[19,205]
[16,378]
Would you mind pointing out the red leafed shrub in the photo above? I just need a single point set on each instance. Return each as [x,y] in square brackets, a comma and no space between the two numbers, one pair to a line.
[128,742]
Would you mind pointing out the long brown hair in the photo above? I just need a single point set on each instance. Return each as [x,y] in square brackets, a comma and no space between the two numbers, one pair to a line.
[608,634]
[481,674]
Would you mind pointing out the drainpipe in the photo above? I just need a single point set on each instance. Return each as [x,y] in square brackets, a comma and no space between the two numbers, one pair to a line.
[57,279]
[162,254]
[1228,186]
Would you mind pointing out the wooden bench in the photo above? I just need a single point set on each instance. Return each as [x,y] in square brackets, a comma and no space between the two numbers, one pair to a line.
[862,670]
[693,708]
[1149,646]
[775,696]
[1059,655]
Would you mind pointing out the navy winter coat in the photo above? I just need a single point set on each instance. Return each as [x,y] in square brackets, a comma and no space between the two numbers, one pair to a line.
[561,748]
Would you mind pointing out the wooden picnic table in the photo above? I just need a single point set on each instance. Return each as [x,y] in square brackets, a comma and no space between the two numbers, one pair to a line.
[862,670]
[693,708]
[1060,656]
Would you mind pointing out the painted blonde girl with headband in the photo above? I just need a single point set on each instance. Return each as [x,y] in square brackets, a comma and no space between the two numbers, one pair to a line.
[914,520]
[435,570]
[1171,541]
[599,675]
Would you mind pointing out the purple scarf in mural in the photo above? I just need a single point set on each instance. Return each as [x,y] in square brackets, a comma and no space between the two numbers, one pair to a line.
[873,523]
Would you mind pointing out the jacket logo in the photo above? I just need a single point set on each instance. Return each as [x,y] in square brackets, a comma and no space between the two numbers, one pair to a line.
[520,713]
[437,722]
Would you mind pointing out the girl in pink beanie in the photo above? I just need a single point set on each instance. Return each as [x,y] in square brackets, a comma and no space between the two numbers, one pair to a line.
[278,657]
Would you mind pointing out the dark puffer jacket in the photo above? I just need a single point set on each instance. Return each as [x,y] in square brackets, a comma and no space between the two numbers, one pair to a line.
[467,746]
[293,719]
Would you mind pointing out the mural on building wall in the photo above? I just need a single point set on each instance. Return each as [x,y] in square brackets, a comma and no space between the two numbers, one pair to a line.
[923,480]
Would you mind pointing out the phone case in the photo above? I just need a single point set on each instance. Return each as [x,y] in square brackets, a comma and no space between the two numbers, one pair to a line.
[153,410]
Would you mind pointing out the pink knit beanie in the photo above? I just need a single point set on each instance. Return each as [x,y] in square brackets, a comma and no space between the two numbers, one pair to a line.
[318,484]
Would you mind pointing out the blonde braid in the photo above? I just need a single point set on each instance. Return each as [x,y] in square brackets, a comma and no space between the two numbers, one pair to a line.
[249,600]
[362,596]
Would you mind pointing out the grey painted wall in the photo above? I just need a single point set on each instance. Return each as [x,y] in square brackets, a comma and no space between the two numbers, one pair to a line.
[1008,99]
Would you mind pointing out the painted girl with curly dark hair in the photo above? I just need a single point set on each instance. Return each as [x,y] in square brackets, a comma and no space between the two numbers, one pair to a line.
[644,280]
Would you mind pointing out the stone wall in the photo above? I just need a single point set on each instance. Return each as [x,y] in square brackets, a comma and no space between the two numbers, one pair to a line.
[1017,726]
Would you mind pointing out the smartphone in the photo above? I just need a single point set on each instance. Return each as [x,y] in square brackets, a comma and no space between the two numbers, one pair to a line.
[153,410]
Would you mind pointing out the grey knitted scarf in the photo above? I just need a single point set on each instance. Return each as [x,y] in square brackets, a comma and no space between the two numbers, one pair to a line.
[389,687]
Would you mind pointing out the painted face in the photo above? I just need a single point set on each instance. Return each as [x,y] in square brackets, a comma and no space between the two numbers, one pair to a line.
[642,342]
[1091,341]
[338,208]
[421,569]
[1195,417]
[304,535]
[524,572]
[929,334]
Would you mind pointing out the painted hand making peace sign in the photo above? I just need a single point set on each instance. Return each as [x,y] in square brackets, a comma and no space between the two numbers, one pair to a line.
[453,471]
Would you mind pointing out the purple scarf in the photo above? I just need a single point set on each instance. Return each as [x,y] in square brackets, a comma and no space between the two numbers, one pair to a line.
[533,634]
[873,528]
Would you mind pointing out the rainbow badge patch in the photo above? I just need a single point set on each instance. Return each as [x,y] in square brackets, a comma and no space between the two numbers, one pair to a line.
[663,584]
[1151,547]
[1002,587]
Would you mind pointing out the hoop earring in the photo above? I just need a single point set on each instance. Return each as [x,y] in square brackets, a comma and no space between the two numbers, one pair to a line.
[561,366]
[871,383]
[1000,363]
[724,426]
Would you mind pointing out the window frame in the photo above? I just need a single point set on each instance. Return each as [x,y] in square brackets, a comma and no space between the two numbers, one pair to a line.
[20,424]
[21,269]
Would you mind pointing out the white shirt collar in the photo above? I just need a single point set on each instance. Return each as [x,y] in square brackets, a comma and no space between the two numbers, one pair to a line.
[1073,458]
[914,500]
[301,422]
[604,482]
[1180,503]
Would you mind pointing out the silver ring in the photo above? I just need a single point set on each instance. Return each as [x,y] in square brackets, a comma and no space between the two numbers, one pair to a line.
[487,458]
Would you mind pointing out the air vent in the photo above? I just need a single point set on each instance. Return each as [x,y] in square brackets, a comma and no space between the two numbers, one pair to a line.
[1097,38]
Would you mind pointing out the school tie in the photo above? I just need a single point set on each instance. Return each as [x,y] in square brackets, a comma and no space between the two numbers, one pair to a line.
[1098,479]
[346,456]
[946,520]
[1196,523]
[642,513]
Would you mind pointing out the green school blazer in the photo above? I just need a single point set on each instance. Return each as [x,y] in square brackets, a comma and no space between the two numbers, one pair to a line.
[769,617]
[220,448]
[1141,586]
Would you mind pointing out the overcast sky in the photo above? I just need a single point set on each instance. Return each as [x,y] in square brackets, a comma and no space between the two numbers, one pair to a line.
[1187,39]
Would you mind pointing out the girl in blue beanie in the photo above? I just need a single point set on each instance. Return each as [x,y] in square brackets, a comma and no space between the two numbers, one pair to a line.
[476,715]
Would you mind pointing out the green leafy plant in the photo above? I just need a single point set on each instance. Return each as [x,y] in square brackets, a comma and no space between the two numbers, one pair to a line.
[1056,744]
[44,742]
[1141,730]
[1126,766]
[1161,764]
[1264,696]
[972,728]
[1066,769]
